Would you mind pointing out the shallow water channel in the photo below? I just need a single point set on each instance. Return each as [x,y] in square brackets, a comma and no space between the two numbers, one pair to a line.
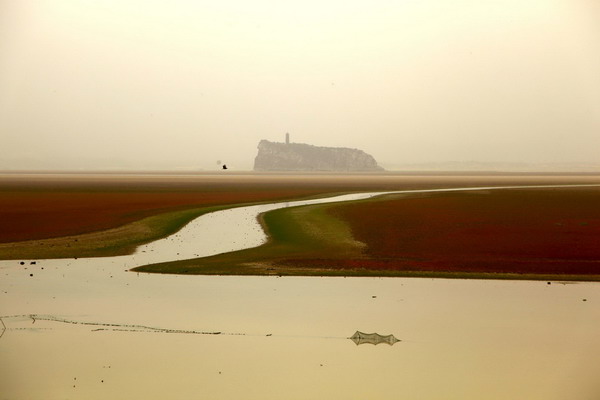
[89,328]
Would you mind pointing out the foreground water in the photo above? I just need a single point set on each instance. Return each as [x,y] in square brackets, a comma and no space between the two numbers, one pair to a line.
[286,338]
[91,329]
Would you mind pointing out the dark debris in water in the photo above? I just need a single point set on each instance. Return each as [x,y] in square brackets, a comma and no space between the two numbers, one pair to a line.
[101,326]
[373,338]
[358,337]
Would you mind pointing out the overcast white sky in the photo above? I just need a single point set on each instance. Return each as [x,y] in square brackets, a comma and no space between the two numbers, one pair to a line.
[167,84]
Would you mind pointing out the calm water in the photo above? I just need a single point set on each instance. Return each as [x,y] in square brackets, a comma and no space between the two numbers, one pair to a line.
[99,331]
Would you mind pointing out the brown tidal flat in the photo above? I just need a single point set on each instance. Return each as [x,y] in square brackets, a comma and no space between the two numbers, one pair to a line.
[46,206]
[525,231]
[39,206]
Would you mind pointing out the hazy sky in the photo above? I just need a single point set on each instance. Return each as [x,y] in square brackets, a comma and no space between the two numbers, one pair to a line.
[176,83]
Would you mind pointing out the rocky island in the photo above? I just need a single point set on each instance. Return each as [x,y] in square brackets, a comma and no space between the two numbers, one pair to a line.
[274,156]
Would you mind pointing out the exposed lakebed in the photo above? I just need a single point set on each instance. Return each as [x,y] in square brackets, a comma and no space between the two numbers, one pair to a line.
[104,332]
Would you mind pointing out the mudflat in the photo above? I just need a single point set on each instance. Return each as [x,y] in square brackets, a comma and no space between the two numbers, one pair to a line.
[39,206]
[49,206]
[530,232]
[524,231]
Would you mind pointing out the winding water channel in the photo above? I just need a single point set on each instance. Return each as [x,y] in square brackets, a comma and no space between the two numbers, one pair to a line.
[90,328]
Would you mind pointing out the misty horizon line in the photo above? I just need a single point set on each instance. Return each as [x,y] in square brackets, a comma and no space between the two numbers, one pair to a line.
[391,167]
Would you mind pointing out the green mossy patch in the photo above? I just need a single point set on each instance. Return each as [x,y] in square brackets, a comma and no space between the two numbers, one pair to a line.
[310,241]
[304,232]
[112,242]
[118,241]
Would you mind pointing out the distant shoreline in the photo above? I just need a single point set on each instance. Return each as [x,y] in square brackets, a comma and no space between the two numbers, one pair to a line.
[316,173]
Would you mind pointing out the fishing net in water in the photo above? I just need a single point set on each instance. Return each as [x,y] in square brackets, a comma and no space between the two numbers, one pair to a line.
[372,338]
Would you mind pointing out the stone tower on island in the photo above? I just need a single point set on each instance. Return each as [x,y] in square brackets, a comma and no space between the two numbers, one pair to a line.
[273,156]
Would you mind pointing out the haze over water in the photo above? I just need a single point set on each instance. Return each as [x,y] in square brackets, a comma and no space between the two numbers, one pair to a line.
[184,84]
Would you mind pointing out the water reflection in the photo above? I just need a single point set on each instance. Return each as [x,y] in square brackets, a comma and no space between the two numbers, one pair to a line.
[373,338]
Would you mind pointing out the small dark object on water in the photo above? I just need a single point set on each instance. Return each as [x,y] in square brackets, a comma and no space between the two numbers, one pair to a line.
[224,166]
[22,263]
[30,274]
[549,283]
[373,338]
[584,299]
[374,297]
[32,263]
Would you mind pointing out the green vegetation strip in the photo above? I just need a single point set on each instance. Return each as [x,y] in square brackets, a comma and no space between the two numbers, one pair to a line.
[117,241]
[313,233]
[304,232]
[112,242]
